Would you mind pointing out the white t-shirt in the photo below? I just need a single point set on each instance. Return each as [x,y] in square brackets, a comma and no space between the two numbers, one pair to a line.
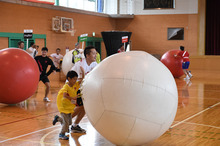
[85,66]
[56,58]
[33,52]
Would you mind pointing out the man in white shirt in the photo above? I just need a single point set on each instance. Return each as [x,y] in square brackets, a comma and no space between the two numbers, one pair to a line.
[32,50]
[88,64]
[57,58]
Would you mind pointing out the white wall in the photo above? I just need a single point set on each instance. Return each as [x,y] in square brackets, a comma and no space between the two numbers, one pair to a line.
[181,7]
[110,6]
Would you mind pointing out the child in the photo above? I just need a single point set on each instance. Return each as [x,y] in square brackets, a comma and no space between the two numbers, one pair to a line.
[66,102]
[185,65]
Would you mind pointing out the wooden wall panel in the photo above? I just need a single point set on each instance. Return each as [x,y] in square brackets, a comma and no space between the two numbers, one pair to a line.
[149,32]
[15,18]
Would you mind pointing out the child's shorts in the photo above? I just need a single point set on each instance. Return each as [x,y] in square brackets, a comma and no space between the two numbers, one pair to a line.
[185,65]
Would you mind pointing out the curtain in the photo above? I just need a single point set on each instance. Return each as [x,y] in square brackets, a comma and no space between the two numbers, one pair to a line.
[212,46]
[113,40]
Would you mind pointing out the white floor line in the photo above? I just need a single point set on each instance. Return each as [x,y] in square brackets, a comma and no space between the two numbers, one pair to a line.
[202,125]
[195,115]
[42,139]
[28,134]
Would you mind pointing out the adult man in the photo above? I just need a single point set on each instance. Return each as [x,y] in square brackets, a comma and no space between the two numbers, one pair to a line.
[43,61]
[77,55]
[21,45]
[88,64]
[56,59]
[32,50]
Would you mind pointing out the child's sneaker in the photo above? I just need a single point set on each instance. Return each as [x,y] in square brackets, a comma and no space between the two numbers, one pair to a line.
[77,129]
[55,120]
[46,99]
[190,75]
[187,78]
[63,137]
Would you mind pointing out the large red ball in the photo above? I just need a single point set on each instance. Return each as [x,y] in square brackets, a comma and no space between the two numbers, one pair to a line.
[19,75]
[174,64]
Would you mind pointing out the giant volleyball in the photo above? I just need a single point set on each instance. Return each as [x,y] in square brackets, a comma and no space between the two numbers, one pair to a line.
[67,61]
[130,98]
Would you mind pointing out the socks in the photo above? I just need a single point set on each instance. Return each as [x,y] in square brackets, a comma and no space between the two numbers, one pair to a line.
[74,125]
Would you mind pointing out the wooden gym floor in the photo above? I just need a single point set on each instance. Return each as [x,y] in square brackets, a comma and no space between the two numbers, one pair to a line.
[197,121]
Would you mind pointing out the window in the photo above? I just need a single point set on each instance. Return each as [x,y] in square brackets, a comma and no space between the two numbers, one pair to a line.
[101,6]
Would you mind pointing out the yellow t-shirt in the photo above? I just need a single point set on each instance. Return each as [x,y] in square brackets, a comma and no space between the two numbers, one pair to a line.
[65,105]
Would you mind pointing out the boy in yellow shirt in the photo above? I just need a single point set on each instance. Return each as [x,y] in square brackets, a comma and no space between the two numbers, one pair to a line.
[66,102]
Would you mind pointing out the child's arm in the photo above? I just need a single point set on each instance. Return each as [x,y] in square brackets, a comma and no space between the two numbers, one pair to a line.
[66,95]
[83,74]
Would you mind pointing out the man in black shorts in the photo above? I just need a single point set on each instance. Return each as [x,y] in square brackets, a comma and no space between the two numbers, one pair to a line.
[43,61]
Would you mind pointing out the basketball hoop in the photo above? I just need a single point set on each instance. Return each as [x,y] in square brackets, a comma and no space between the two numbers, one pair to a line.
[66,24]
[72,32]
[63,24]
[56,23]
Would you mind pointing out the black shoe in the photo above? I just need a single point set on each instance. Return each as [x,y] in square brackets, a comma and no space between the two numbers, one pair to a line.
[55,120]
[77,129]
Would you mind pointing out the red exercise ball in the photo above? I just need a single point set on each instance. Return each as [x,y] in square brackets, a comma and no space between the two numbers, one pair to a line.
[174,64]
[19,75]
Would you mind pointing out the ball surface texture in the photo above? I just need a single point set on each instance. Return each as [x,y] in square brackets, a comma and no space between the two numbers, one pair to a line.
[130,98]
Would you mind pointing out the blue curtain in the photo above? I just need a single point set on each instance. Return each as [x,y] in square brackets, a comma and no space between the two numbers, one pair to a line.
[100,5]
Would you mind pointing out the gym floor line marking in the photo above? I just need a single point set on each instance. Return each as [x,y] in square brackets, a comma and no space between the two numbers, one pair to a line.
[201,125]
[195,115]
[28,134]
[32,141]
[184,130]
[192,136]
[42,139]
[27,118]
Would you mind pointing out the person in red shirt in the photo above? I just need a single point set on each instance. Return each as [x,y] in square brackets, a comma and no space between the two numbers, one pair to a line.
[185,65]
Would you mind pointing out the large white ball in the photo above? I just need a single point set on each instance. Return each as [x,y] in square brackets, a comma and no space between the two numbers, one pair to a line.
[67,62]
[130,98]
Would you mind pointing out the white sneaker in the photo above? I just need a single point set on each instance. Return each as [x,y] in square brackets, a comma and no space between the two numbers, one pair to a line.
[187,78]
[190,75]
[46,99]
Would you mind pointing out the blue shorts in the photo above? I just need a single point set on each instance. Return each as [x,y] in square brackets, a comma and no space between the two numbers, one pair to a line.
[185,65]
